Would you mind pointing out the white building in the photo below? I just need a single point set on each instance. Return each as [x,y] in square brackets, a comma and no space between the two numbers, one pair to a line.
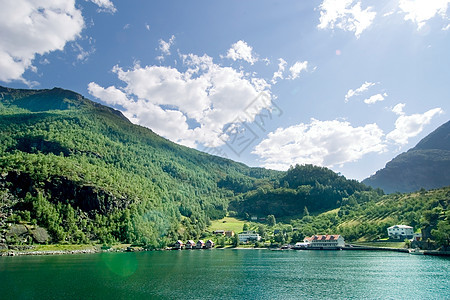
[400,232]
[248,236]
[325,241]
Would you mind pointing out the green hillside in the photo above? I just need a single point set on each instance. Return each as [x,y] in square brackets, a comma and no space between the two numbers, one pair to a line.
[425,166]
[85,173]
[365,216]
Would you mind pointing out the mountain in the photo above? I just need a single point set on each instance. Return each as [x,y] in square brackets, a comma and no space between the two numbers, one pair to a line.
[84,172]
[425,166]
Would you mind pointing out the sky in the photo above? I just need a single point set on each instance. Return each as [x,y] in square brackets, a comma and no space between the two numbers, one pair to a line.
[343,84]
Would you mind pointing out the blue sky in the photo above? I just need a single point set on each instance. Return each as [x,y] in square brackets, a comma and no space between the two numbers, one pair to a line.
[338,83]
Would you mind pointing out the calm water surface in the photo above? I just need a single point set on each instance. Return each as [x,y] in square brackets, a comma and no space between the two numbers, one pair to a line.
[226,274]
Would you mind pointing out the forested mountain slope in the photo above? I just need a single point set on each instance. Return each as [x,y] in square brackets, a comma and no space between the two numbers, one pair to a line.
[426,165]
[84,172]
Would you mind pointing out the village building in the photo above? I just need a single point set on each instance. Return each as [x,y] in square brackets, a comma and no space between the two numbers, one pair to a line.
[417,236]
[190,245]
[200,244]
[324,241]
[229,233]
[178,245]
[222,232]
[300,245]
[400,232]
[209,244]
[248,236]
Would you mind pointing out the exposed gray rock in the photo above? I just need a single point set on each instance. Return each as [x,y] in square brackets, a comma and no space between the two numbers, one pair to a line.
[40,235]
[18,230]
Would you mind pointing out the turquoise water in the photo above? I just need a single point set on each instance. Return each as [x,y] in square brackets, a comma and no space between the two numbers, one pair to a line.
[226,274]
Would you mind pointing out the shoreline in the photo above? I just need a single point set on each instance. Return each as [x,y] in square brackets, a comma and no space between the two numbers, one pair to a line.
[93,250]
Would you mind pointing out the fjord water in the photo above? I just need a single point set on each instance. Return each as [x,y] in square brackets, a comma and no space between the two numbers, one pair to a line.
[226,274]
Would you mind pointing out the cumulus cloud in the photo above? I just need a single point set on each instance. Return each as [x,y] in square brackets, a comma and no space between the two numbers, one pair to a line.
[279,73]
[105,6]
[164,47]
[398,109]
[294,70]
[420,11]
[297,68]
[82,54]
[170,101]
[346,15]
[325,143]
[242,51]
[363,88]
[112,95]
[34,27]
[409,126]
[375,98]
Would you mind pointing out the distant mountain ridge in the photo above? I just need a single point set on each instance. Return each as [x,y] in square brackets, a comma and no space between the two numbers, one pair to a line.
[427,165]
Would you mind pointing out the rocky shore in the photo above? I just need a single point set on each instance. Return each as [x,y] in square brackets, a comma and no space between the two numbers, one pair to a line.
[16,250]
[54,252]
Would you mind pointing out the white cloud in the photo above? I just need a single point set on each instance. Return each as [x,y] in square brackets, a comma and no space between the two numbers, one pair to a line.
[446,27]
[34,27]
[346,15]
[165,47]
[409,126]
[266,61]
[105,6]
[364,87]
[324,143]
[240,50]
[169,101]
[375,98]
[44,61]
[297,68]
[420,11]
[398,109]
[111,95]
[147,26]
[279,73]
[82,55]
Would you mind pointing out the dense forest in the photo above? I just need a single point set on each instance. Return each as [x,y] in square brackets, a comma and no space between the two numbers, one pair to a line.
[84,173]
[302,186]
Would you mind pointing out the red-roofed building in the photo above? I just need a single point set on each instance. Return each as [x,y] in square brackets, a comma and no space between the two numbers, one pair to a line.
[325,241]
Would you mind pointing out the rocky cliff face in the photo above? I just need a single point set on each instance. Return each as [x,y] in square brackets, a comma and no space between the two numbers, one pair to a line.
[60,189]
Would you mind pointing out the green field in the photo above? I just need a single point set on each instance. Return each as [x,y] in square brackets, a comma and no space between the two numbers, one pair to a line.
[227,223]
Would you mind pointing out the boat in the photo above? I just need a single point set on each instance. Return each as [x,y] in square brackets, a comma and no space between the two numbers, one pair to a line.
[415,251]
